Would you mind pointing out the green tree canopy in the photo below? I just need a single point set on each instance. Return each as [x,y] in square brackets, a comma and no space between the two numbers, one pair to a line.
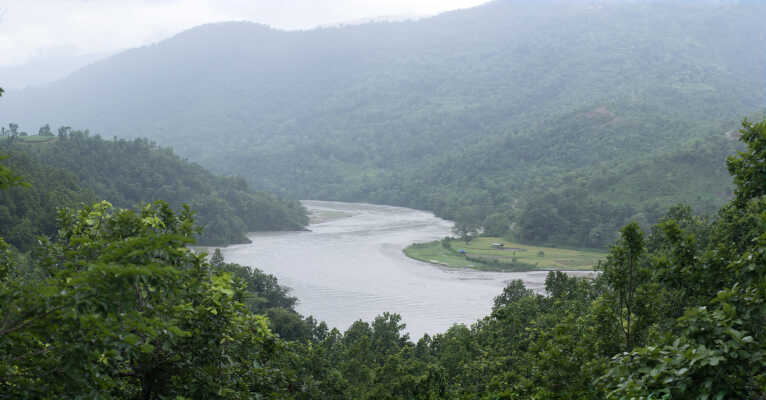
[125,310]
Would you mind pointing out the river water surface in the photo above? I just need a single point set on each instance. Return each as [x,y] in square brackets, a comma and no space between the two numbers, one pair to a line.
[352,267]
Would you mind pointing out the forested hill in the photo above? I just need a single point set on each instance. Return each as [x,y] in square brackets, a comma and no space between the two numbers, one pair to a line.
[75,168]
[352,112]
[119,304]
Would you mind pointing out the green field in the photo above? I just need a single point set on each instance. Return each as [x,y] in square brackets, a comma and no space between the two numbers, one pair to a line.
[481,254]
[32,139]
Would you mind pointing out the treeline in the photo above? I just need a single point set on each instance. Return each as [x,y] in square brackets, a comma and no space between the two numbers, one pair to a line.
[117,307]
[551,188]
[586,208]
[74,167]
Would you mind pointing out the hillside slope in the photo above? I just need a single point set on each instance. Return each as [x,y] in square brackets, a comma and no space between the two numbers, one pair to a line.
[348,113]
[77,168]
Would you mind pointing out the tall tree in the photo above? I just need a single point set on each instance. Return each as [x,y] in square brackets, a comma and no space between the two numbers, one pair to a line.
[45,130]
[621,271]
[467,224]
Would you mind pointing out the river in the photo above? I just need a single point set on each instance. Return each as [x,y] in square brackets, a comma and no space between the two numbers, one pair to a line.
[351,266]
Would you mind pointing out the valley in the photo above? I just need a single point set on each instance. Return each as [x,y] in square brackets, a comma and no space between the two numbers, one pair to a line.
[548,199]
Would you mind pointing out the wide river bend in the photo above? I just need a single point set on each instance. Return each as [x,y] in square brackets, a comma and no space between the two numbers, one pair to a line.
[351,267]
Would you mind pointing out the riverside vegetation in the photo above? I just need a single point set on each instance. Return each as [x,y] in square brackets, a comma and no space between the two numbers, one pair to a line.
[577,124]
[115,305]
[481,253]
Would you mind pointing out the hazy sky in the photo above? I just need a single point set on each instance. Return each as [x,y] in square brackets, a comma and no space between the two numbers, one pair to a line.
[41,28]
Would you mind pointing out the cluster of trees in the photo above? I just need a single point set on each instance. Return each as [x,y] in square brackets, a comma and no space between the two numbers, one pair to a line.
[573,217]
[76,167]
[13,131]
[584,207]
[553,189]
[116,306]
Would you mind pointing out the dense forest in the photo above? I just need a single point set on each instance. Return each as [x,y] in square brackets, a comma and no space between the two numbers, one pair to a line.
[73,167]
[115,305]
[495,107]
[607,124]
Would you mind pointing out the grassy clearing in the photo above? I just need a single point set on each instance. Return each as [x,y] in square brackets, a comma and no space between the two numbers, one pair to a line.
[480,254]
[37,139]
[31,139]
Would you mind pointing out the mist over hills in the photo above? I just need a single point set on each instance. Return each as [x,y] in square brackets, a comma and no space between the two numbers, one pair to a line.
[488,101]
[554,123]
[45,68]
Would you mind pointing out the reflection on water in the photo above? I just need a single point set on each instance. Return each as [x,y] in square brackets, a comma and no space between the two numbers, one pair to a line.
[352,267]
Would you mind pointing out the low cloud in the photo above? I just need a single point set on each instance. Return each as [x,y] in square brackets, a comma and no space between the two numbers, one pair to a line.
[31,28]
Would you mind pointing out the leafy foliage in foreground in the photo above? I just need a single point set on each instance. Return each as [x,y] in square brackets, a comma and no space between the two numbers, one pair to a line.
[117,307]
[122,309]
[78,168]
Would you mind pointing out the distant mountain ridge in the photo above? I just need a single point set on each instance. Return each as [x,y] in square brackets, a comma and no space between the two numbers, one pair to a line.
[347,113]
